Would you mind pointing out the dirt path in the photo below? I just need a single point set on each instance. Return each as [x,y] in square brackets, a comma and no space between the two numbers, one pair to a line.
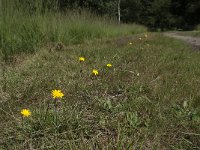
[194,41]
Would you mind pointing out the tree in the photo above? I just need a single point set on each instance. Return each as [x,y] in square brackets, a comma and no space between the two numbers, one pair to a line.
[119,11]
[163,14]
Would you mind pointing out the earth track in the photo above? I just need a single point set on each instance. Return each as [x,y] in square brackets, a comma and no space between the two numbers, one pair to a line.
[194,41]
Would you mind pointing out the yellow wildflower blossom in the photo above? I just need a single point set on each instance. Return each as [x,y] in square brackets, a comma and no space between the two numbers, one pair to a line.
[81,59]
[109,65]
[57,94]
[130,43]
[95,72]
[25,112]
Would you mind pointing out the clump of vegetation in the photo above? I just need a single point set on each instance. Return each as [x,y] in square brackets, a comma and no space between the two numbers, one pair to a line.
[146,98]
[22,31]
[77,85]
[198,27]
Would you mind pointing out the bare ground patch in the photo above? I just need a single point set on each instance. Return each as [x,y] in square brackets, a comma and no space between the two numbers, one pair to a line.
[194,41]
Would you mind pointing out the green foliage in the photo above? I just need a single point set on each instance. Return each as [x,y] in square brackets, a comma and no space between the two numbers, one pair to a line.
[27,30]
[198,27]
[119,109]
[149,99]
[160,14]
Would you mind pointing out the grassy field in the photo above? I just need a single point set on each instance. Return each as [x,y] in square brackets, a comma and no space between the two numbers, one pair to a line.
[24,33]
[148,99]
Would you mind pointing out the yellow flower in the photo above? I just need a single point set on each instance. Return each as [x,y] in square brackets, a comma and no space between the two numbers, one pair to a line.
[145,35]
[81,59]
[95,72]
[57,94]
[140,38]
[109,65]
[25,112]
[130,43]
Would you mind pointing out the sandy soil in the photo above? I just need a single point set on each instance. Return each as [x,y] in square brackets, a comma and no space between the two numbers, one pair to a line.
[194,41]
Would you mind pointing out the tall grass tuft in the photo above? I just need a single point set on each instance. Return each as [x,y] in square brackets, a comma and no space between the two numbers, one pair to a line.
[198,27]
[25,26]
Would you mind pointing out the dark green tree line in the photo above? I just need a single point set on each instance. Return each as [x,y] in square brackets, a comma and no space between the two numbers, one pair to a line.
[163,14]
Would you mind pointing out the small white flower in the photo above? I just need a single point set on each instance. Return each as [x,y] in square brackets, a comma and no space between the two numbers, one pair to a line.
[185,104]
